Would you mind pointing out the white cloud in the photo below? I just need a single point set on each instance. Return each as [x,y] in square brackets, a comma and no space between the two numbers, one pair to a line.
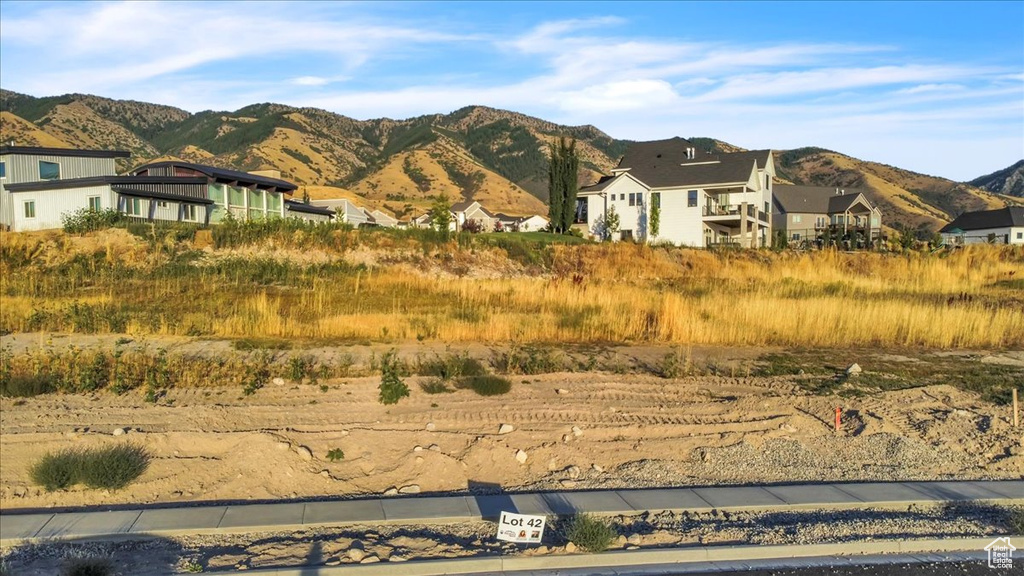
[858,98]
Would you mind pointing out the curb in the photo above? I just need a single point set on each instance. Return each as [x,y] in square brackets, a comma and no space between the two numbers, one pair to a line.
[634,558]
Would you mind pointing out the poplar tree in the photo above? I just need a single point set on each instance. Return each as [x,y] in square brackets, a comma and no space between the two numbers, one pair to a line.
[563,184]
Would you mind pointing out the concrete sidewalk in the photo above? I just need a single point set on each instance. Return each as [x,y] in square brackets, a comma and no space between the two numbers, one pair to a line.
[16,528]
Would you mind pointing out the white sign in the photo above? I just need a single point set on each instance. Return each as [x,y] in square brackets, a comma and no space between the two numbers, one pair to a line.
[521,528]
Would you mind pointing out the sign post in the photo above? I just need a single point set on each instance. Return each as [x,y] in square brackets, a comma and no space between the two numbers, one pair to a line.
[521,528]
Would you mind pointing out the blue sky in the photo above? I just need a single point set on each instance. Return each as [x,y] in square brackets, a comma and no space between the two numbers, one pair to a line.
[933,87]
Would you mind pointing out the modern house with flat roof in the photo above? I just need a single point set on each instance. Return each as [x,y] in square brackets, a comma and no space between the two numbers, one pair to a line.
[244,195]
[816,215]
[702,199]
[40,186]
[1002,226]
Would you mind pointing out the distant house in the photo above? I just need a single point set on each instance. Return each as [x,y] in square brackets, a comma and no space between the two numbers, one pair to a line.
[702,199]
[40,186]
[344,211]
[463,212]
[521,223]
[303,211]
[381,218]
[1002,226]
[816,214]
[244,195]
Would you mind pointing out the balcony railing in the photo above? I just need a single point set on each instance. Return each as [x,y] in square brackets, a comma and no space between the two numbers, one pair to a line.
[734,210]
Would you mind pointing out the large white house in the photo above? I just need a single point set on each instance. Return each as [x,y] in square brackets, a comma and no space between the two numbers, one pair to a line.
[702,199]
[40,186]
[1002,226]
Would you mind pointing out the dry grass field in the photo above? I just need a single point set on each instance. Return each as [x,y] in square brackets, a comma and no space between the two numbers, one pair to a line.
[340,285]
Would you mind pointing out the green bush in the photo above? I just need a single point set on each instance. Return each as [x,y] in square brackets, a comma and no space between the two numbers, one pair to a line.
[88,567]
[114,467]
[589,533]
[486,385]
[57,470]
[450,367]
[27,385]
[392,389]
[87,220]
[110,468]
[435,386]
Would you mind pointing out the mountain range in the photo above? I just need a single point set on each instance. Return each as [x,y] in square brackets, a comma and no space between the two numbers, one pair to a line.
[497,157]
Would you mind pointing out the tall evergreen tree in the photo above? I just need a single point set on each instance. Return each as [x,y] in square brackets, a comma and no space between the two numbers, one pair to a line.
[563,184]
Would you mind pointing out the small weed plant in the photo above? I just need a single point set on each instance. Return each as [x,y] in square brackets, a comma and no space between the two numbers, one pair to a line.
[335,454]
[486,385]
[589,533]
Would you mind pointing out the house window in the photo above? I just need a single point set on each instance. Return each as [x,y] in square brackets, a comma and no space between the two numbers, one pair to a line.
[632,199]
[1020,235]
[133,206]
[581,210]
[30,209]
[796,236]
[820,222]
[3,170]
[691,198]
[797,218]
[190,212]
[49,170]
[161,204]
[95,203]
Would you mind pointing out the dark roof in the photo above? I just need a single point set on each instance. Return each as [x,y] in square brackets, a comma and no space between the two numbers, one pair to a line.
[599,185]
[461,206]
[224,174]
[43,151]
[985,219]
[159,195]
[813,199]
[100,181]
[295,206]
[663,164]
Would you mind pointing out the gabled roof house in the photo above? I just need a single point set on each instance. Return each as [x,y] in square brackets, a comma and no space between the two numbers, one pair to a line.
[1002,226]
[701,198]
[816,214]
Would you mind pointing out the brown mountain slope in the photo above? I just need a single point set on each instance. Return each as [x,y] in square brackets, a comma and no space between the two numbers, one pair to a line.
[408,181]
[24,133]
[905,197]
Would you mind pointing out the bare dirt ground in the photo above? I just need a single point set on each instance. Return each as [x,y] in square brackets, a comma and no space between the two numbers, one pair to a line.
[577,430]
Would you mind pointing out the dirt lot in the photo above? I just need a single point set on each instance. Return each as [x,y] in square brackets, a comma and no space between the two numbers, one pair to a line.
[577,431]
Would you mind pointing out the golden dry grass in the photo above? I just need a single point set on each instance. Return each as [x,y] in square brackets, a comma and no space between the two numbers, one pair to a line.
[973,298]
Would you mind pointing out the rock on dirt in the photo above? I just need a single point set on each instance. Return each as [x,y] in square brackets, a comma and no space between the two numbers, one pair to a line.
[853,370]
[304,453]
[410,489]
[506,428]
[521,456]
[120,432]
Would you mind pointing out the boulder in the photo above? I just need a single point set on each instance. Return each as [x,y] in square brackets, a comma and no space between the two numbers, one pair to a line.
[576,431]
[278,381]
[521,456]
[119,432]
[853,370]
[391,491]
[410,489]
[431,427]
[505,428]
[570,548]
[356,554]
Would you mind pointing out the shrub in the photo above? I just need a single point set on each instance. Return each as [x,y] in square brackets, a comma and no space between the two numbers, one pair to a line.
[589,533]
[114,467]
[486,384]
[57,470]
[110,468]
[87,220]
[335,454]
[435,386]
[27,385]
[257,374]
[1015,519]
[392,389]
[450,367]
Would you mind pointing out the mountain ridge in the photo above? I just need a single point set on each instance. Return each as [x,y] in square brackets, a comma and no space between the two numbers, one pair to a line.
[476,152]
